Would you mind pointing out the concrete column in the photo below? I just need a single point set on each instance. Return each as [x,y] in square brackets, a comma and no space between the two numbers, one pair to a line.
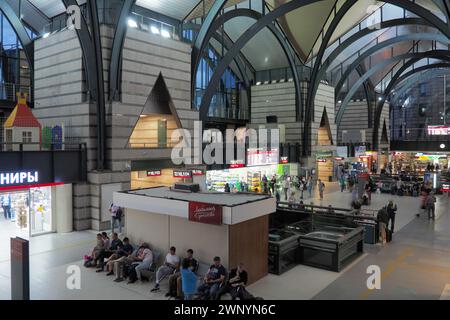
[63,208]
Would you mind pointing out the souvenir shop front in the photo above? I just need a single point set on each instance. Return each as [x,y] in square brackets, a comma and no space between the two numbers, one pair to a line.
[29,208]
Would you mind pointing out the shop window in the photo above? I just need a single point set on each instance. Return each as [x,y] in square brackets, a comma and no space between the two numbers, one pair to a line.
[26,136]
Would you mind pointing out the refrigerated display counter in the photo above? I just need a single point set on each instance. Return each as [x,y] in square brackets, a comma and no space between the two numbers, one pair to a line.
[283,250]
[331,248]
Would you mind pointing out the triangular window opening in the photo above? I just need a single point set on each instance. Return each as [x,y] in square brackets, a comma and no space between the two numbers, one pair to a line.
[324,137]
[157,120]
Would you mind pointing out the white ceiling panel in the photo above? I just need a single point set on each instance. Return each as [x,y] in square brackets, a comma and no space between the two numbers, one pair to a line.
[52,8]
[173,8]
[263,51]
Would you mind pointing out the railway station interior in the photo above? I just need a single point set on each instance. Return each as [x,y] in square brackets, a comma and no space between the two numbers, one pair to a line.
[245,149]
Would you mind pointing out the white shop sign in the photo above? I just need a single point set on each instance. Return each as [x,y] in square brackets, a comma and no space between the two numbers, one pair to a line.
[17,178]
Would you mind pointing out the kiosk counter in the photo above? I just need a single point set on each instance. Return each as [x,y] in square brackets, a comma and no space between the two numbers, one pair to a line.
[233,226]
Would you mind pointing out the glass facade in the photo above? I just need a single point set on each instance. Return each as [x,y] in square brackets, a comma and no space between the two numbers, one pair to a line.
[225,103]
[14,68]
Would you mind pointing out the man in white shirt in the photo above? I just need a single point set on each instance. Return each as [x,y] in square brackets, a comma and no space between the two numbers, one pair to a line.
[170,265]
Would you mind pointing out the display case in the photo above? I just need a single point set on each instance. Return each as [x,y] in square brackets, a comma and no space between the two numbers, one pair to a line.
[331,248]
[283,250]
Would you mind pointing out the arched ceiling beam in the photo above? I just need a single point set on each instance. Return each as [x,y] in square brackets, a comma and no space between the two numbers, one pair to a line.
[415,75]
[386,44]
[441,54]
[444,54]
[20,31]
[367,94]
[227,44]
[278,35]
[116,50]
[314,83]
[93,67]
[361,34]
[200,41]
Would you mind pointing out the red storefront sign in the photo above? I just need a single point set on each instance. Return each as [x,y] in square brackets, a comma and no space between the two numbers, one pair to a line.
[184,174]
[284,160]
[153,173]
[198,172]
[205,213]
[445,187]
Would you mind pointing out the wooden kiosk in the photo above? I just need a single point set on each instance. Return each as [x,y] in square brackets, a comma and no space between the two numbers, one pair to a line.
[234,227]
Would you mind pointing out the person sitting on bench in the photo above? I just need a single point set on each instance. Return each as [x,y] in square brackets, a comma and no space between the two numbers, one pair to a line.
[108,252]
[175,285]
[171,263]
[213,280]
[144,261]
[124,250]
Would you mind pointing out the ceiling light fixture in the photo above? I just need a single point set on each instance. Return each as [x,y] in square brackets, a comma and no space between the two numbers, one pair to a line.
[154,30]
[132,23]
[165,34]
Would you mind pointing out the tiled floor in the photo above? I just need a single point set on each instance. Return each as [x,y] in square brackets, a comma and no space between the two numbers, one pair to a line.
[415,265]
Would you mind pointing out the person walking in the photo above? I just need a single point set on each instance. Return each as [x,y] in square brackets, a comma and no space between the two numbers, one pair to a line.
[392,211]
[116,216]
[6,205]
[321,189]
[368,190]
[286,186]
[383,220]
[301,187]
[430,205]
[309,186]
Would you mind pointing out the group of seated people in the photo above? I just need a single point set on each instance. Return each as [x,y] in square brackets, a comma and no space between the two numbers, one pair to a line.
[122,260]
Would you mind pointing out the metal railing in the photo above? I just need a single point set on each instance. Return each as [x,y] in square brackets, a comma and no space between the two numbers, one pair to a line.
[151,143]
[8,91]
[37,146]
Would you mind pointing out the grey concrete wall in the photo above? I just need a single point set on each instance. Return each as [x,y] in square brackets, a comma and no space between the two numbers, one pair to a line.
[276,99]
[60,96]
[356,118]
[60,90]
[279,99]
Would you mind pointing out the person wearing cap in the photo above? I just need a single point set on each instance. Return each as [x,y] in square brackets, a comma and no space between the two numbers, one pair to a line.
[171,263]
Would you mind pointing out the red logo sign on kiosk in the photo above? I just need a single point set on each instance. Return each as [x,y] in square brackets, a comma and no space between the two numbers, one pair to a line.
[284,160]
[205,213]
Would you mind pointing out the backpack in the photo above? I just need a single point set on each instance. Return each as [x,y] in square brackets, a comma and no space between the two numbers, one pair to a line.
[119,213]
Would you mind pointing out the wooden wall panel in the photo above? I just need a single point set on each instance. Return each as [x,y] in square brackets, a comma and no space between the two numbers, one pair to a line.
[249,243]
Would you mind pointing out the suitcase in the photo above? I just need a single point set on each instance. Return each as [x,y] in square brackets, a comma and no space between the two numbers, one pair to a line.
[388,235]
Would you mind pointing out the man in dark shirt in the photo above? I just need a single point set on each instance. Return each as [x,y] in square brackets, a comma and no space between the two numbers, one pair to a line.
[116,243]
[391,210]
[238,278]
[213,280]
